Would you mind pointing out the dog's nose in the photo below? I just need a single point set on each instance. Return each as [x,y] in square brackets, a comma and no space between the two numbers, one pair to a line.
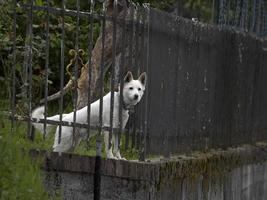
[135,96]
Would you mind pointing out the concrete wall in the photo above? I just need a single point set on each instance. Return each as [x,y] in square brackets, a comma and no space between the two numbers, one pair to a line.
[236,173]
[248,182]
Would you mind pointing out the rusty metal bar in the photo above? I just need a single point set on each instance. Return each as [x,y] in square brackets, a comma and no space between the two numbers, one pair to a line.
[130,67]
[97,175]
[90,48]
[53,122]
[122,75]
[62,64]
[46,64]
[136,65]
[112,71]
[73,13]
[146,13]
[75,93]
[29,70]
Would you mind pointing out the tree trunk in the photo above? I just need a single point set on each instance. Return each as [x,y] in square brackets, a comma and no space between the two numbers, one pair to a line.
[83,81]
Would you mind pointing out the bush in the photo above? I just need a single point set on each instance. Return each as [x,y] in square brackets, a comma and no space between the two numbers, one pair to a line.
[20,178]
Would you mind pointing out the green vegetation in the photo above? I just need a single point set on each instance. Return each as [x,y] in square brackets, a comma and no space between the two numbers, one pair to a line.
[20,178]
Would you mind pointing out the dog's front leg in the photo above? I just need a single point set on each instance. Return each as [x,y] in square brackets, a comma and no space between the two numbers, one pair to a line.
[116,147]
[108,150]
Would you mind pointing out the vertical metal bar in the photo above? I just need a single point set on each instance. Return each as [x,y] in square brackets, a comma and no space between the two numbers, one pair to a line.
[213,11]
[179,8]
[164,132]
[216,11]
[264,33]
[13,90]
[237,13]
[146,27]
[136,52]
[228,13]
[114,38]
[263,20]
[97,175]
[62,58]
[130,63]
[252,26]
[138,70]
[90,48]
[243,20]
[141,69]
[258,24]
[122,72]
[138,67]
[102,72]
[75,94]
[221,12]
[29,69]
[246,17]
[46,64]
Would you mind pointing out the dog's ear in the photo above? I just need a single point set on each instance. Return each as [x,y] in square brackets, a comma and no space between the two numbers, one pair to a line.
[142,78]
[128,77]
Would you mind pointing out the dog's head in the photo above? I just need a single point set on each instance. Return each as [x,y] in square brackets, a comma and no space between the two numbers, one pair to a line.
[133,89]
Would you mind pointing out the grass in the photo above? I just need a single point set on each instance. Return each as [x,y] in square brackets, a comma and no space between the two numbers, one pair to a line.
[20,135]
[89,149]
[20,178]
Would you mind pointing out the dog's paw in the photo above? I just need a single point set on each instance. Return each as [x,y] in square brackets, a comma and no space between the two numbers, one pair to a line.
[110,155]
[118,156]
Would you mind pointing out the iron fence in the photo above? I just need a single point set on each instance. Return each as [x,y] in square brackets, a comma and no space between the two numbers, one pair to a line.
[186,62]
[245,15]
[132,20]
[173,51]
[205,88]
[121,46]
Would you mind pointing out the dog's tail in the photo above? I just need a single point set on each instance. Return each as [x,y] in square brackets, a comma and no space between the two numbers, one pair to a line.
[38,113]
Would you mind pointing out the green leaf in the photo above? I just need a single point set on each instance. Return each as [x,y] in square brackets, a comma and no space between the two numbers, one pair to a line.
[39,2]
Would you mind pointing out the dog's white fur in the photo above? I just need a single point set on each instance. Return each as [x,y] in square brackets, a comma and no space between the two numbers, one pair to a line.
[133,91]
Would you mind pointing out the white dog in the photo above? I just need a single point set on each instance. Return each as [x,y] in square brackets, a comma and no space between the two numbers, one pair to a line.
[133,91]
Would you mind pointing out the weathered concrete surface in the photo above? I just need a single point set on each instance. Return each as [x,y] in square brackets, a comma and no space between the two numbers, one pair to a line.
[236,173]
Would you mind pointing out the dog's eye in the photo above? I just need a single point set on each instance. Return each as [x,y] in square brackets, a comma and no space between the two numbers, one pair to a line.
[139,89]
[131,88]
